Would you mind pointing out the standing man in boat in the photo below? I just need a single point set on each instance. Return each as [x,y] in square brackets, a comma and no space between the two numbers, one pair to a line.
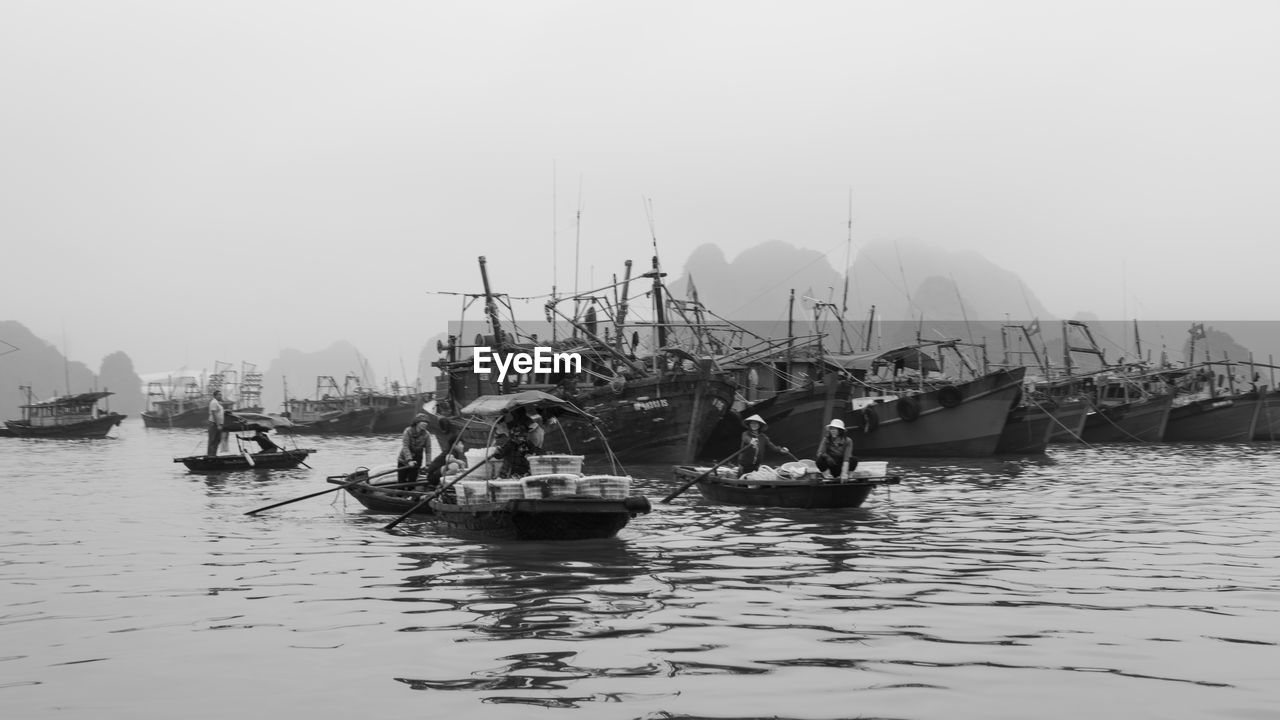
[215,423]
[835,452]
[414,448]
[757,442]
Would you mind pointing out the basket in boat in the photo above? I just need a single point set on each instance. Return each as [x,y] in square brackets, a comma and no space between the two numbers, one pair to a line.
[555,464]
[610,487]
[537,487]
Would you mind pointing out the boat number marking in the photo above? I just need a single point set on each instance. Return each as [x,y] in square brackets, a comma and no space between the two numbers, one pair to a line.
[651,404]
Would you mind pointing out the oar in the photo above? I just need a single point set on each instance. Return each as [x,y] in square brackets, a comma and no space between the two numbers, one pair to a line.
[247,458]
[357,481]
[434,495]
[689,484]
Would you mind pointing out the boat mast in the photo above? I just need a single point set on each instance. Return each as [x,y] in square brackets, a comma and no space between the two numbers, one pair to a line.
[490,307]
[791,306]
[621,319]
[848,247]
[659,310]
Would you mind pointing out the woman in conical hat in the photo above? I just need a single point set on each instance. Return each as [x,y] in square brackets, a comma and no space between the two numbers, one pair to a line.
[835,452]
[755,443]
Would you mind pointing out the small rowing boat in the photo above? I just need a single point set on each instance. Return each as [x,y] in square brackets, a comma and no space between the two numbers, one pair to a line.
[496,516]
[808,490]
[246,461]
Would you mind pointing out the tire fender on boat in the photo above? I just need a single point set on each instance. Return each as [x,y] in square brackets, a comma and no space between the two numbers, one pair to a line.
[950,396]
[637,504]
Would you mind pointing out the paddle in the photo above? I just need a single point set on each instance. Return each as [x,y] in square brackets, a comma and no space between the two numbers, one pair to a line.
[690,484]
[247,457]
[434,495]
[359,479]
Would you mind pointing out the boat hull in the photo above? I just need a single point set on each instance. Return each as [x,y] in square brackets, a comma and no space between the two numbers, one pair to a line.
[1026,432]
[564,518]
[1222,419]
[351,422]
[942,427]
[847,494]
[1268,417]
[1139,421]
[261,461]
[794,419]
[1068,421]
[94,428]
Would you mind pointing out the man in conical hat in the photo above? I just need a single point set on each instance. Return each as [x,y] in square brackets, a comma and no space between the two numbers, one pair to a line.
[755,443]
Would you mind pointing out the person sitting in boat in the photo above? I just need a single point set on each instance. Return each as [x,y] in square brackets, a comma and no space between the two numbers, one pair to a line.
[515,452]
[835,452]
[413,448]
[452,460]
[756,443]
[265,444]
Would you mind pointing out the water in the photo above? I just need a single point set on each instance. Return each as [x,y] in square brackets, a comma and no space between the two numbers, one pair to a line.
[1116,582]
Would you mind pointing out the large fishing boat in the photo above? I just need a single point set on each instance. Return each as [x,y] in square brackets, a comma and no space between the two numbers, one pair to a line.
[889,411]
[335,410]
[183,401]
[1209,407]
[652,404]
[69,416]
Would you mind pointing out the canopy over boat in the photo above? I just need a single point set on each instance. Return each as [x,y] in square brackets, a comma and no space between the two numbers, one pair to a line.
[260,421]
[80,399]
[911,356]
[494,405]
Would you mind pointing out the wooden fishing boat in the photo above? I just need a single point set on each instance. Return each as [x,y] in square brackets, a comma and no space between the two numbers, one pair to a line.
[333,411]
[570,517]
[246,461]
[811,491]
[1221,418]
[71,416]
[183,402]
[556,502]
[656,407]
[898,417]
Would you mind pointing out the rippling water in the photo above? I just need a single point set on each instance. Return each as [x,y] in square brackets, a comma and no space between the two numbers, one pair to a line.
[1111,581]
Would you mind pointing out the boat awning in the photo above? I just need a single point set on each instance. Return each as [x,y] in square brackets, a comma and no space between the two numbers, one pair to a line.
[911,356]
[492,405]
[80,399]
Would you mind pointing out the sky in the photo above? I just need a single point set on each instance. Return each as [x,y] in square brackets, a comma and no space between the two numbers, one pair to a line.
[196,181]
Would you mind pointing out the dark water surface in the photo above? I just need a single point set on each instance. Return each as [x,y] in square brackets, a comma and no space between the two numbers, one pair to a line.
[1110,582]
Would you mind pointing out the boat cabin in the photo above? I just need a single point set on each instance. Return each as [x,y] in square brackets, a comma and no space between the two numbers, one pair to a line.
[63,410]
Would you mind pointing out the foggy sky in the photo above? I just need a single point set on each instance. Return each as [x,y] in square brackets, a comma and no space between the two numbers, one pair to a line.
[196,181]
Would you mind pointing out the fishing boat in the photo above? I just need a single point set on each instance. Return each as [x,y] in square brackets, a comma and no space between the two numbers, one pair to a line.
[655,406]
[246,461]
[183,402]
[1207,406]
[801,490]
[333,411]
[556,502]
[70,416]
[394,410]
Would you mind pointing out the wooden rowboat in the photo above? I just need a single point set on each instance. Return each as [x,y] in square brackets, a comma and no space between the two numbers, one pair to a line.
[261,461]
[809,492]
[569,517]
